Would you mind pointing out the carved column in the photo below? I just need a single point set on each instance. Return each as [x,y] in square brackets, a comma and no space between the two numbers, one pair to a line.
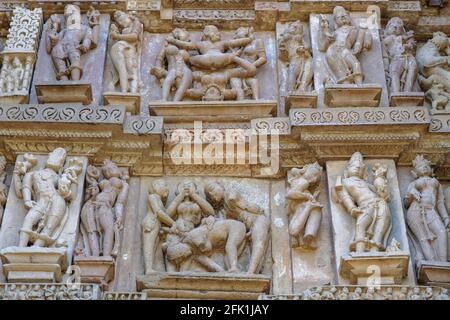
[19,55]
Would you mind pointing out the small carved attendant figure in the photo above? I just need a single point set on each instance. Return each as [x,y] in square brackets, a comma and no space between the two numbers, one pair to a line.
[342,46]
[371,211]
[151,224]
[398,55]
[67,45]
[15,76]
[124,52]
[304,207]
[427,216]
[380,181]
[178,74]
[254,52]
[42,196]
[294,51]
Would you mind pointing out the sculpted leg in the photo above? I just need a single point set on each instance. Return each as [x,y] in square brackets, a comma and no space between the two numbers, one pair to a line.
[428,250]
[312,227]
[411,75]
[260,236]
[292,75]
[183,85]
[133,70]
[235,237]
[395,71]
[118,60]
[438,229]
[236,83]
[30,220]
[362,223]
[107,224]
[307,76]
[150,241]
[167,85]
[254,84]
[298,221]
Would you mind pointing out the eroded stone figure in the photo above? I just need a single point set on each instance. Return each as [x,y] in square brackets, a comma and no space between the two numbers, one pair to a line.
[46,194]
[151,224]
[3,191]
[126,34]
[342,46]
[102,214]
[426,215]
[172,66]
[398,46]
[433,59]
[254,52]
[67,42]
[295,52]
[359,198]
[303,206]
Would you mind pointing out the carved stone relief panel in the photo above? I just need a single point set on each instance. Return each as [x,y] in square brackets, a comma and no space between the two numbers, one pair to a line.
[41,216]
[71,57]
[368,223]
[347,59]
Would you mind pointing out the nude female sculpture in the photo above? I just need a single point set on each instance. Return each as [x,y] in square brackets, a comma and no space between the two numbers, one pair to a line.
[427,216]
[398,54]
[371,211]
[44,197]
[342,46]
[125,52]
[178,74]
[294,51]
[254,52]
[303,206]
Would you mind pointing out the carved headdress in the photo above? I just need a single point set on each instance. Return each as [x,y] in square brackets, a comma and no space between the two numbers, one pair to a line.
[420,162]
[356,157]
[340,11]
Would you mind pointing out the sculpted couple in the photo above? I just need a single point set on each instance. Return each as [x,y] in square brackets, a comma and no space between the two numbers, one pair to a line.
[192,228]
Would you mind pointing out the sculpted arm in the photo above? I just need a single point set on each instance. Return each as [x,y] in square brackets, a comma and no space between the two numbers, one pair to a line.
[204,205]
[183,44]
[162,215]
[345,198]
[262,56]
[121,200]
[87,39]
[237,42]
[412,194]
[172,208]
[298,195]
[27,186]
[440,203]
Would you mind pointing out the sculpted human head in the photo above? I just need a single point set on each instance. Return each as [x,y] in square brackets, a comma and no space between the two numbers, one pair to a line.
[211,33]
[56,159]
[160,188]
[355,166]
[422,167]
[295,27]
[341,17]
[215,193]
[72,14]
[110,169]
[243,32]
[441,40]
[181,34]
[395,26]
[122,19]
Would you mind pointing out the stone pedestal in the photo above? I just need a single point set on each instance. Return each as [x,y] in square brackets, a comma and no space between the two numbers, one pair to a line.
[33,264]
[64,91]
[214,111]
[95,269]
[434,273]
[360,267]
[346,95]
[303,100]
[131,101]
[14,98]
[407,99]
[203,285]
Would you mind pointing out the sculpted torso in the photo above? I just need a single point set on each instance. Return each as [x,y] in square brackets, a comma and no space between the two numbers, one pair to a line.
[427,187]
[44,183]
[109,194]
[345,36]
[359,190]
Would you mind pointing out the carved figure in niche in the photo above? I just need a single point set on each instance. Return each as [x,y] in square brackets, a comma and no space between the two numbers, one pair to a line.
[427,216]
[66,43]
[178,75]
[303,206]
[255,53]
[433,59]
[187,209]
[44,192]
[124,53]
[102,217]
[398,48]
[257,224]
[215,66]
[295,52]
[3,191]
[213,234]
[360,199]
[152,222]
[14,74]
[342,47]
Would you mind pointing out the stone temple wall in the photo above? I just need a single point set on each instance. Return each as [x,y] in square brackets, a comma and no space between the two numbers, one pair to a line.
[225,149]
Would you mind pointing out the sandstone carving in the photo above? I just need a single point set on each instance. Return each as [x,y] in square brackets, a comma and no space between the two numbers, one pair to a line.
[3,190]
[434,67]
[400,64]
[219,64]
[366,204]
[68,40]
[303,205]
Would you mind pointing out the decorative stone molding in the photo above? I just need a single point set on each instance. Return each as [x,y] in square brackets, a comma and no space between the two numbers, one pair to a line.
[57,291]
[280,126]
[439,123]
[365,293]
[113,295]
[359,116]
[143,125]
